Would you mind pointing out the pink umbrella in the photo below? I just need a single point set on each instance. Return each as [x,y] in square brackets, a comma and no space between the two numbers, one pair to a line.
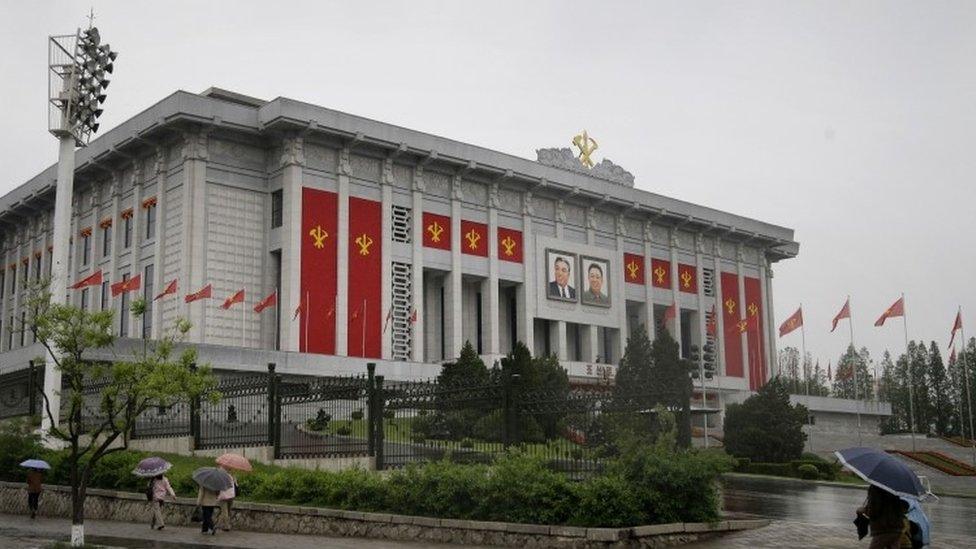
[234,461]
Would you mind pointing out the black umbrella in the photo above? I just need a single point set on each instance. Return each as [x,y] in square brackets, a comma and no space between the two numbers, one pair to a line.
[884,471]
[213,479]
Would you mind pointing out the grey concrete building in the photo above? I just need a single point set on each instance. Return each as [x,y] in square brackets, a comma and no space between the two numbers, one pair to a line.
[387,243]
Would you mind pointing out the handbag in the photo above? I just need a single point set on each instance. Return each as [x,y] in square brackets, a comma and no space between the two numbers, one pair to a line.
[861,522]
[196,515]
[149,490]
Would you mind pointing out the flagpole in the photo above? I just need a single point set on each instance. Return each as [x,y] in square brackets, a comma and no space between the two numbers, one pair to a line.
[305,318]
[969,400]
[803,363]
[856,358]
[275,342]
[908,364]
[243,312]
[364,328]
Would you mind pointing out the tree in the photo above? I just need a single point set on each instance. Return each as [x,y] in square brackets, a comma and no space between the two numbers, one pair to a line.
[853,367]
[766,428]
[801,378]
[940,392]
[918,378]
[155,375]
[888,391]
[469,369]
[672,384]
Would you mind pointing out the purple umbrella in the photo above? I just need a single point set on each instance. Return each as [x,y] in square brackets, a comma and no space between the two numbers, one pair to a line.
[151,466]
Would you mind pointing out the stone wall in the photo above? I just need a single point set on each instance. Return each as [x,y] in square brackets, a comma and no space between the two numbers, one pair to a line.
[287,519]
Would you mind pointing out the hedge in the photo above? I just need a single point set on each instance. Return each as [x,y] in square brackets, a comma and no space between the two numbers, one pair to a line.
[825,470]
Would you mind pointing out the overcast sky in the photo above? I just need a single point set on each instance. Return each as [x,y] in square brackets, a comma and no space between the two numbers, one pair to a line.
[852,123]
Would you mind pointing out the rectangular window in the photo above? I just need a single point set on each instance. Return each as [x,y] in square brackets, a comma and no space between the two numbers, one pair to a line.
[13,282]
[147,294]
[85,249]
[151,222]
[50,262]
[84,299]
[23,326]
[25,271]
[124,312]
[105,296]
[401,224]
[3,282]
[276,207]
[106,241]
[127,231]
[10,333]
[37,267]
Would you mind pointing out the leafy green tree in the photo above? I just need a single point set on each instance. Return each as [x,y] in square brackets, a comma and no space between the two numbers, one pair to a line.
[672,384]
[940,392]
[157,374]
[918,378]
[888,391]
[854,379]
[766,427]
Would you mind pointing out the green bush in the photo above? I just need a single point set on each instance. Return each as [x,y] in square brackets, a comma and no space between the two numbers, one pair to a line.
[357,415]
[17,444]
[607,501]
[825,470]
[467,443]
[343,430]
[523,489]
[808,472]
[770,469]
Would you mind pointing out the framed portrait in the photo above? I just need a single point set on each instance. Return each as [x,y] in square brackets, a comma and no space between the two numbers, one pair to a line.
[561,278]
[595,275]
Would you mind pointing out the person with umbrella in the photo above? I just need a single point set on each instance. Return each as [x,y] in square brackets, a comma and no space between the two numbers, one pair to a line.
[226,497]
[159,488]
[35,480]
[211,481]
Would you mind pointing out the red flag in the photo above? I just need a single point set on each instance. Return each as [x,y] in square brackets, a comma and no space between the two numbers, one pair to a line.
[238,297]
[957,325]
[413,316]
[670,313]
[126,285]
[299,310]
[269,301]
[389,317]
[170,289]
[845,312]
[710,322]
[93,279]
[205,293]
[897,309]
[792,323]
[952,357]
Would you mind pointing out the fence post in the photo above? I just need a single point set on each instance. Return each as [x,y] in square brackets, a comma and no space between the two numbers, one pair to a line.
[195,415]
[31,389]
[380,403]
[371,409]
[273,412]
[507,410]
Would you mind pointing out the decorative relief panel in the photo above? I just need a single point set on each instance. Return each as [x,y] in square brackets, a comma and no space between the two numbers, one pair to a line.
[660,235]
[544,207]
[509,200]
[474,193]
[235,239]
[364,167]
[750,255]
[233,153]
[604,221]
[172,251]
[728,250]
[708,243]
[438,184]
[634,227]
[686,240]
[273,159]
[319,157]
[402,176]
[575,215]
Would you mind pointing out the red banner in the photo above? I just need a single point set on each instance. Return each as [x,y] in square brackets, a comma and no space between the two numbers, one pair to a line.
[634,268]
[754,312]
[318,287]
[661,273]
[509,245]
[437,231]
[730,316]
[474,238]
[365,278]
[687,278]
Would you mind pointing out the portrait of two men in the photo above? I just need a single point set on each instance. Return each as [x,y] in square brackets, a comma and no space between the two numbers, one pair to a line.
[564,271]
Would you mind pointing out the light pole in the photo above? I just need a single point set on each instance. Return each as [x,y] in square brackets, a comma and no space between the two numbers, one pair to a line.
[77,66]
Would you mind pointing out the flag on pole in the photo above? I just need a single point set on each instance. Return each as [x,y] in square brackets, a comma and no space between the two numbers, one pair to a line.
[299,310]
[793,322]
[204,293]
[956,326]
[413,316]
[238,297]
[845,312]
[952,357]
[389,317]
[170,289]
[897,309]
[126,285]
[269,301]
[710,322]
[94,279]
[670,313]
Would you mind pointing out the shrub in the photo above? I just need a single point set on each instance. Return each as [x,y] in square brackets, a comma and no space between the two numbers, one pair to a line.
[17,444]
[607,501]
[467,443]
[357,415]
[522,489]
[344,430]
[808,472]
[766,427]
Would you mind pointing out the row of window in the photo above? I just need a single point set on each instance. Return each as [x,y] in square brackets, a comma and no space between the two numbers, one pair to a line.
[24,274]
[106,303]
[149,232]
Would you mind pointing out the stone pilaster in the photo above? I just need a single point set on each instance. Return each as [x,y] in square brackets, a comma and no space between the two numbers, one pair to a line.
[719,314]
[648,283]
[194,254]
[620,291]
[675,292]
[386,269]
[769,327]
[453,311]
[292,165]
[138,233]
[744,337]
[342,252]
[525,297]
[490,287]
[418,288]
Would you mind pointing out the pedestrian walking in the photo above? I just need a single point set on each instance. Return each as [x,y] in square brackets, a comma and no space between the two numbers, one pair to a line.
[35,479]
[212,482]
[225,498]
[159,491]
[207,500]
[887,518]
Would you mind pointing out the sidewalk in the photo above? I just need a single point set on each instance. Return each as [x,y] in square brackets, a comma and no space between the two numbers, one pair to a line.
[19,532]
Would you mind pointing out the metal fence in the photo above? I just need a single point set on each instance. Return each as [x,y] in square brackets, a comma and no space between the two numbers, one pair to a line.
[20,392]
[241,417]
[324,417]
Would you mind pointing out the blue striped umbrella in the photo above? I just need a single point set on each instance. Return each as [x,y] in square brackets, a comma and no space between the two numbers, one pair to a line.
[883,470]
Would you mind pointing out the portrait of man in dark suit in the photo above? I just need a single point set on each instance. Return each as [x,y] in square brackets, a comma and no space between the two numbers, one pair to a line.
[596,282]
[562,282]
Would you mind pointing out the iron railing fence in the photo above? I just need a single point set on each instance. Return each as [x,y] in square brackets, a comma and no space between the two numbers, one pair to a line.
[20,392]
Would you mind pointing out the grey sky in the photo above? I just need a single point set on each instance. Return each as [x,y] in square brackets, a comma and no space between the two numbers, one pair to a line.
[851,122]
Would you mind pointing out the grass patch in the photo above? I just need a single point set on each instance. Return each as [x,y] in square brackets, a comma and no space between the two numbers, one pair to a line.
[939,461]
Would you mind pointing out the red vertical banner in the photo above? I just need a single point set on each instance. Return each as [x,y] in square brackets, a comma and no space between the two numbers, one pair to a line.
[365,278]
[754,311]
[509,245]
[687,278]
[316,330]
[730,316]
[661,273]
[474,238]
[634,268]
[437,231]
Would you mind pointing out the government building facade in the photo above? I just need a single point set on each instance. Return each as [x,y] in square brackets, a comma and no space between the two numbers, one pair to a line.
[386,243]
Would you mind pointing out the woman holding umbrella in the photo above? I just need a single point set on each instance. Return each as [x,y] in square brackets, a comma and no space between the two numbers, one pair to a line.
[226,497]
[159,488]
[211,481]
[35,480]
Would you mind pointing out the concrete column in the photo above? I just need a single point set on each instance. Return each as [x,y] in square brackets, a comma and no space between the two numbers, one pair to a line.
[560,330]
[719,314]
[699,268]
[453,312]
[743,314]
[112,271]
[417,268]
[525,296]
[386,267]
[289,295]
[194,254]
[5,287]
[342,251]
[558,336]
[492,324]
[591,344]
[162,212]
[620,291]
[675,292]
[648,284]
[766,283]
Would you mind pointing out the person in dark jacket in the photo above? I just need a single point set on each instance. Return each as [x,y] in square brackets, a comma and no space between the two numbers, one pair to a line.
[888,522]
[35,478]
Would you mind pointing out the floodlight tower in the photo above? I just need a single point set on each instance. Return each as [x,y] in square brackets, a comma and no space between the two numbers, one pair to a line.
[77,66]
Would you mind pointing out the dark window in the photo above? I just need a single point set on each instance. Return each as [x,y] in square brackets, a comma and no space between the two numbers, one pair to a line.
[276,206]
[10,334]
[25,271]
[13,282]
[105,295]
[147,294]
[478,321]
[85,249]
[127,231]
[50,261]
[84,299]
[106,241]
[3,281]
[151,222]
[124,312]
[23,328]
[37,267]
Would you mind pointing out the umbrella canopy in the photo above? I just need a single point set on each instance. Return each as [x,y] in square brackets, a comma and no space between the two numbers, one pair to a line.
[234,461]
[151,466]
[35,464]
[883,470]
[213,479]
